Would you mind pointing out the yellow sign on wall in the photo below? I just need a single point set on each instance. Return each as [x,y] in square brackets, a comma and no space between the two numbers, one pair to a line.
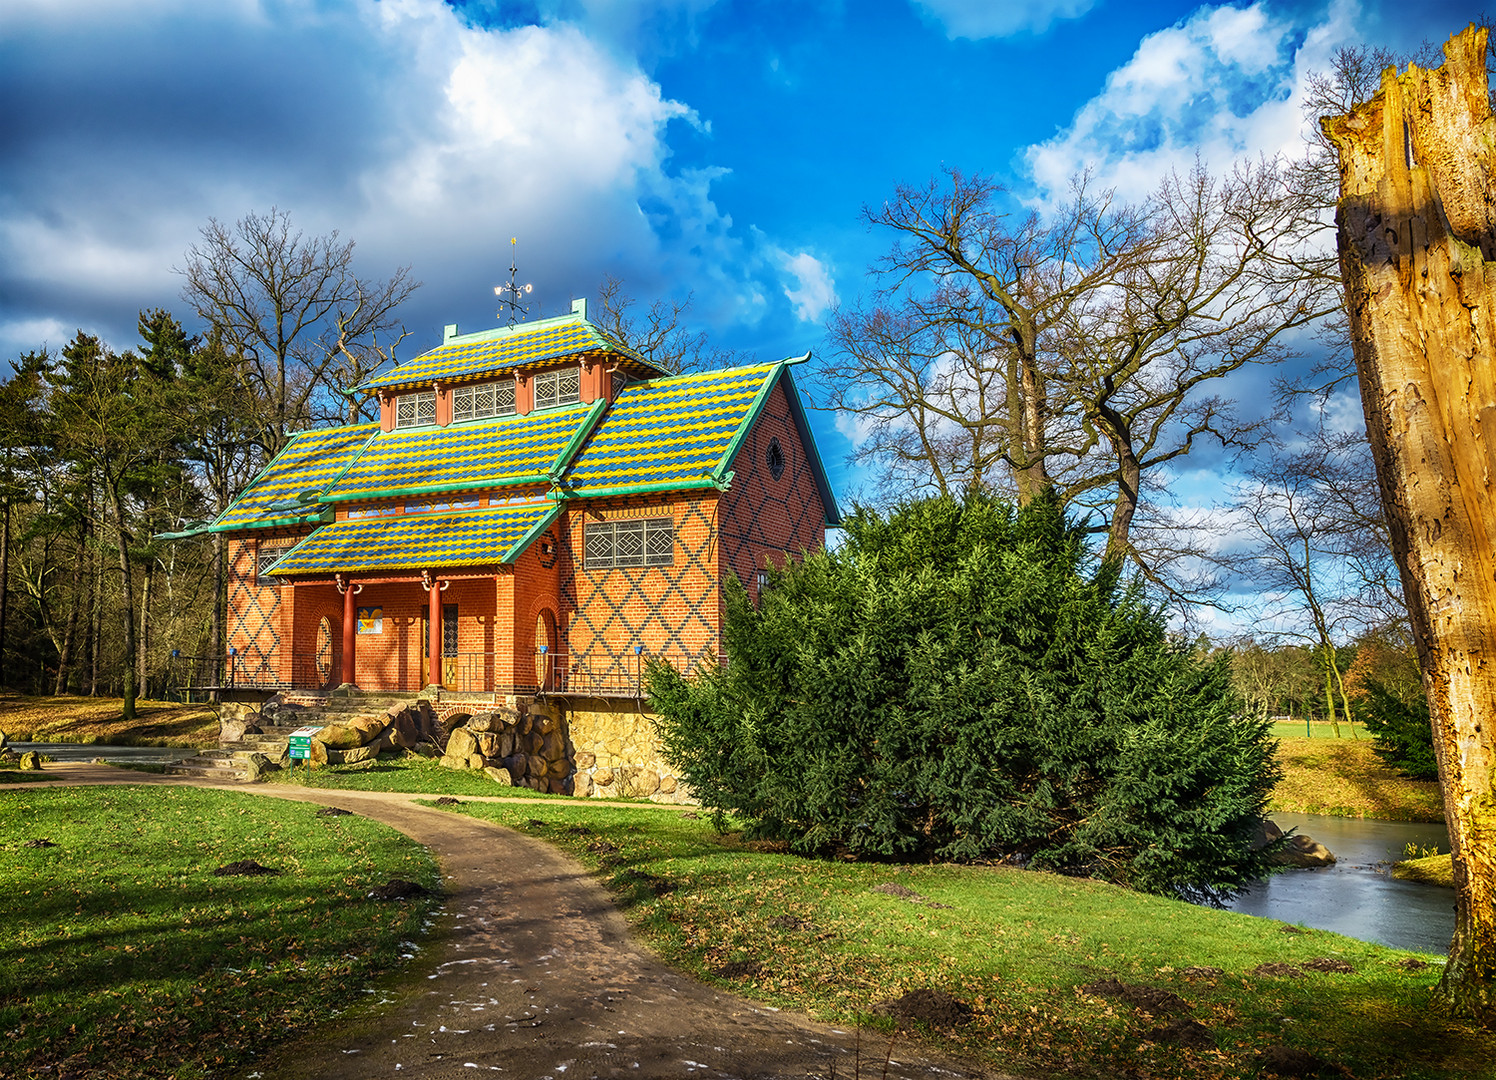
[371,620]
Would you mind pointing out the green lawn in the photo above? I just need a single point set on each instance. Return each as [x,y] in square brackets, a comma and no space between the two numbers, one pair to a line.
[410,775]
[1017,946]
[125,956]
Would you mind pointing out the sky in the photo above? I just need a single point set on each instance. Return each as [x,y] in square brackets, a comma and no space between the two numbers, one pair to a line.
[721,150]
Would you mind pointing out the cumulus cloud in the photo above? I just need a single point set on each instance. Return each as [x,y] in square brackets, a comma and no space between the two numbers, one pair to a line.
[1225,83]
[813,292]
[977,19]
[409,126]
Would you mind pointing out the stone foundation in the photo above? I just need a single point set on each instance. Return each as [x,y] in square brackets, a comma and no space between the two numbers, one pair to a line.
[616,752]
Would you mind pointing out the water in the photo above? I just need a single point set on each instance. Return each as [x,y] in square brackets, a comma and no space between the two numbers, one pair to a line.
[1358,896]
[74,752]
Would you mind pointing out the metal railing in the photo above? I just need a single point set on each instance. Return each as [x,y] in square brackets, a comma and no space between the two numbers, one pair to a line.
[596,673]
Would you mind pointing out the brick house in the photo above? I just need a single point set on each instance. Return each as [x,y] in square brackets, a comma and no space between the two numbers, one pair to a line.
[537,510]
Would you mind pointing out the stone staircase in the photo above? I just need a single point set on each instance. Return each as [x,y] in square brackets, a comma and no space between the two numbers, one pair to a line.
[229,760]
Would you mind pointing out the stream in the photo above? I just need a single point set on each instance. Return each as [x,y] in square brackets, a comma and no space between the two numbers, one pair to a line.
[1358,896]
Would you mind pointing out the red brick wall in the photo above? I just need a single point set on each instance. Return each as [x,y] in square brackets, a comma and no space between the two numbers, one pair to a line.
[535,587]
[674,611]
[764,519]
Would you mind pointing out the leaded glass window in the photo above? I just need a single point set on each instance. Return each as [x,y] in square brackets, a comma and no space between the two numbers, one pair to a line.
[630,543]
[482,400]
[265,558]
[563,387]
[415,410]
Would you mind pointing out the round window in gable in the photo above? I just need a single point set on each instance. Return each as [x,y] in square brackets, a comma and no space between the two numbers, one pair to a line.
[776,459]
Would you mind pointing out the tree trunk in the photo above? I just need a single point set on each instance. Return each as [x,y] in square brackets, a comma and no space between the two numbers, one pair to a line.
[4,585]
[1418,253]
[127,605]
[143,644]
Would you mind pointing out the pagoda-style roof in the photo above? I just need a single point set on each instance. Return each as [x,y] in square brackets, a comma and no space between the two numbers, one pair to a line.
[675,432]
[486,537]
[470,356]
[469,456]
[679,432]
[288,490]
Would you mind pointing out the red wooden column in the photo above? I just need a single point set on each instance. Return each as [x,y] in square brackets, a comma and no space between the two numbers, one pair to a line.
[350,628]
[434,627]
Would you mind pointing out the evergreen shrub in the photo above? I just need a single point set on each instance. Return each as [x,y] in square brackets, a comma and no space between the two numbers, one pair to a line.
[1403,730]
[950,684]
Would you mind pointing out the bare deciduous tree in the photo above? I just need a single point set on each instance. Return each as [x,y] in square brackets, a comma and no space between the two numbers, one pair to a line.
[293,315]
[657,334]
[1075,351]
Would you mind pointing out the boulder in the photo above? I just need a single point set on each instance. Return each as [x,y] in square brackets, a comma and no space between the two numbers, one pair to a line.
[555,786]
[517,764]
[602,777]
[231,728]
[1267,833]
[535,768]
[405,731]
[475,761]
[338,737]
[31,760]
[426,750]
[454,762]
[256,766]
[524,725]
[369,727]
[1304,852]
[586,760]
[506,744]
[317,753]
[461,743]
[552,746]
[488,743]
[636,781]
[667,785]
[581,785]
[354,756]
[499,776]
[544,723]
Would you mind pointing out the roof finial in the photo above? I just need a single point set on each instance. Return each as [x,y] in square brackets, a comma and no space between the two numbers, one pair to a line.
[509,294]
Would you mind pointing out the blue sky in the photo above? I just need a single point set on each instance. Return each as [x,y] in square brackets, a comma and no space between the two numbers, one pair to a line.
[709,147]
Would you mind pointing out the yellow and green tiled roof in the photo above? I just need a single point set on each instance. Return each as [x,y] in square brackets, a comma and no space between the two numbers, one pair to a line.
[417,541]
[499,350]
[310,462]
[669,432]
[489,453]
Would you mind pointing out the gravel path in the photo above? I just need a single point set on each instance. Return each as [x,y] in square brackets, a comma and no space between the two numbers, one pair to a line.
[532,973]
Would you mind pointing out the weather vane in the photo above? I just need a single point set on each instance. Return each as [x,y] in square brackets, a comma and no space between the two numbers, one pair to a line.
[509,295]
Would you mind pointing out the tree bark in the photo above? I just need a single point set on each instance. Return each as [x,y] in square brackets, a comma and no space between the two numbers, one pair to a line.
[1417,246]
[4,585]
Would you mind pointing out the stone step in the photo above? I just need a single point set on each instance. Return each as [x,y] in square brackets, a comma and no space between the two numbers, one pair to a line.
[215,768]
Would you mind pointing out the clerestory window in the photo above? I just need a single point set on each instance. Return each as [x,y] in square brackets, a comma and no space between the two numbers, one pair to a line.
[634,542]
[482,400]
[415,410]
[563,387]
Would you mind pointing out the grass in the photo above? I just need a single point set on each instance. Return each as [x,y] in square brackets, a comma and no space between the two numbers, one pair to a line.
[1017,946]
[93,721]
[1344,778]
[1318,729]
[124,956]
[411,775]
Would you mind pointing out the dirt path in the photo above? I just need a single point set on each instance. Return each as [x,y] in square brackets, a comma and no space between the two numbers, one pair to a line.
[532,973]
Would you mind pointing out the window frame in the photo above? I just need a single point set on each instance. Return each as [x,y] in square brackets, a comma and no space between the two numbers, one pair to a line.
[600,548]
[470,391]
[418,400]
[554,398]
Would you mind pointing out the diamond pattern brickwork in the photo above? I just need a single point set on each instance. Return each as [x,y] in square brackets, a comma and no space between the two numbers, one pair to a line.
[672,611]
[254,618]
[765,518]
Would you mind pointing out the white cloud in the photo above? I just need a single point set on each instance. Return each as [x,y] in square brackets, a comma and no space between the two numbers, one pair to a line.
[427,138]
[1225,83]
[814,292]
[1000,18]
